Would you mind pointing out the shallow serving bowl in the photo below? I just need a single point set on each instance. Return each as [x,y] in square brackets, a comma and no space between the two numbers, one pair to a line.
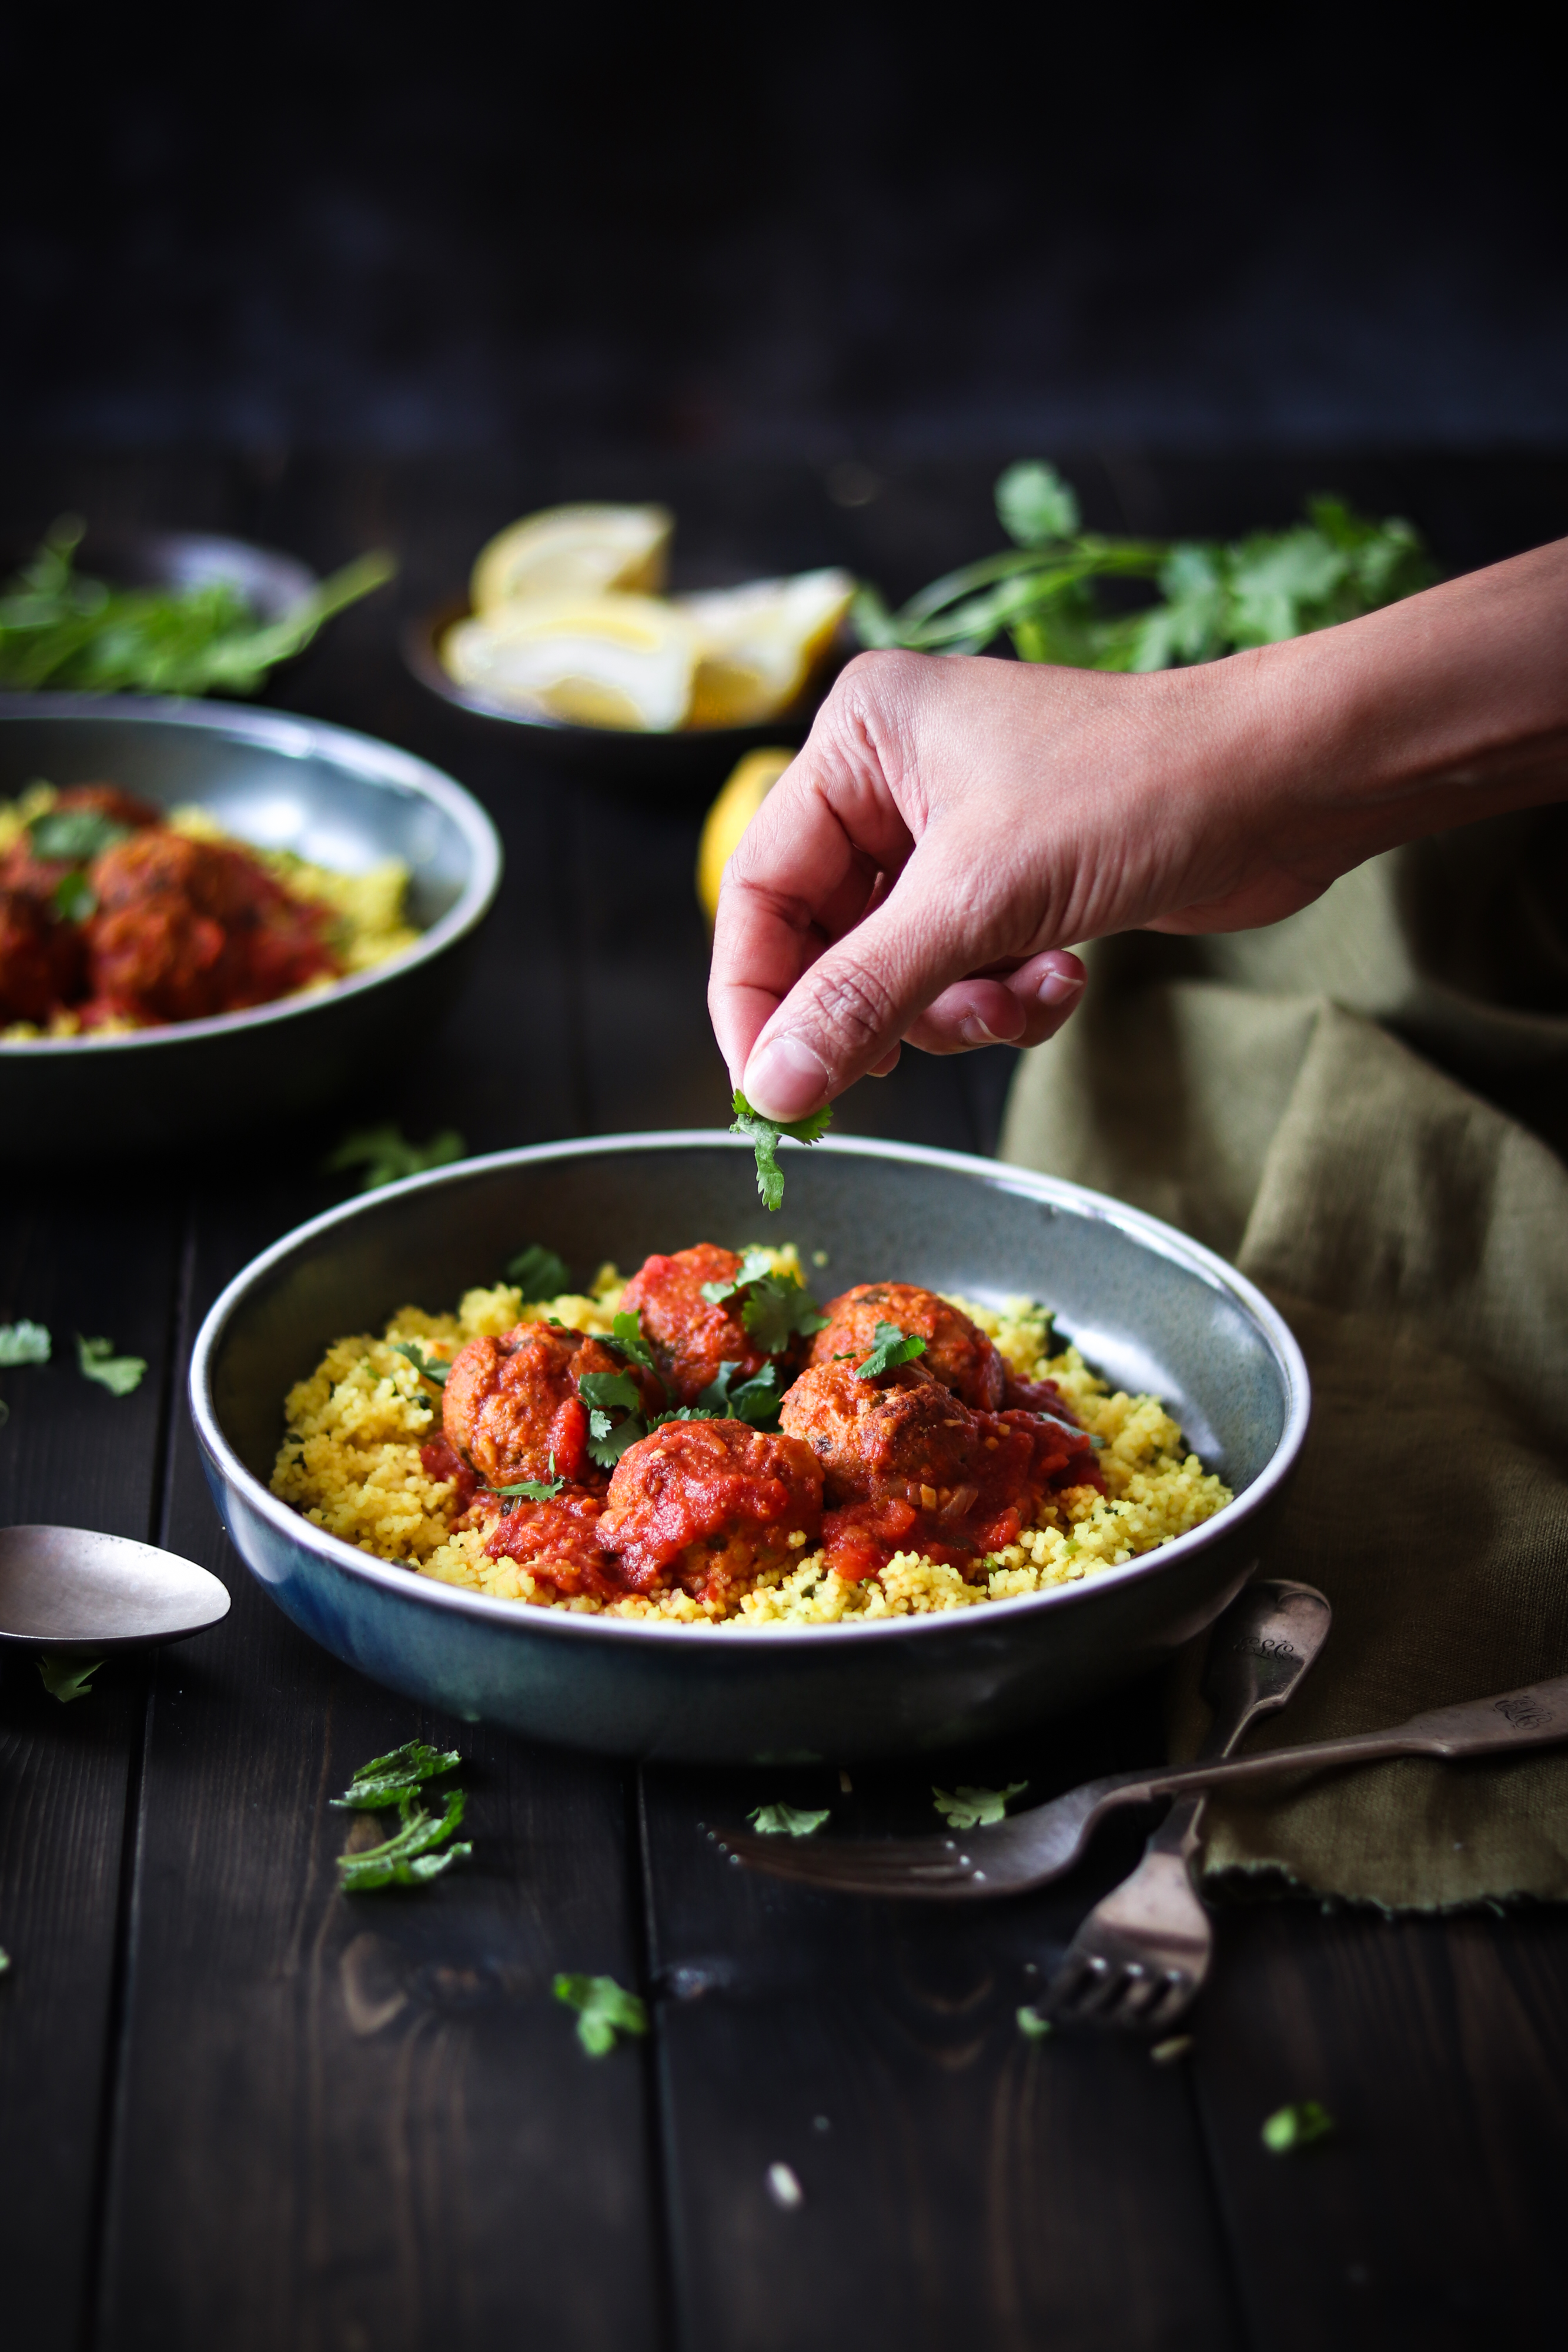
[279,783]
[1148,1308]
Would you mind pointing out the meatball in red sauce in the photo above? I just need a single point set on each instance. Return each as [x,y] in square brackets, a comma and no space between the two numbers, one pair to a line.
[908,1467]
[691,1339]
[186,928]
[706,1503]
[957,1352]
[558,1543]
[40,960]
[509,1405]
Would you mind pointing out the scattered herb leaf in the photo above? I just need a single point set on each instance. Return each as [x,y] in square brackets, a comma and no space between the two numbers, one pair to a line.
[74,898]
[539,1272]
[892,1347]
[429,1367]
[1032,2026]
[777,1306]
[409,1857]
[68,1678]
[76,835]
[532,1490]
[604,2010]
[23,1343]
[756,1401]
[765,1134]
[791,1820]
[386,1155]
[605,1394]
[4,1961]
[626,1339]
[386,1778]
[976,1809]
[1296,2126]
[97,1362]
[1166,2054]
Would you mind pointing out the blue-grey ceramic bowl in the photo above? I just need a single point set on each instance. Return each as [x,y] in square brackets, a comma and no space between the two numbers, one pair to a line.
[1150,1309]
[281,782]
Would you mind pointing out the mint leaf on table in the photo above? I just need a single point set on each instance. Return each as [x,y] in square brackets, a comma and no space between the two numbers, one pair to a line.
[976,1809]
[1298,2125]
[604,2010]
[23,1343]
[68,1678]
[787,1820]
[429,1367]
[97,1360]
[387,1779]
[386,1155]
[892,1347]
[410,1857]
[539,1273]
[766,1133]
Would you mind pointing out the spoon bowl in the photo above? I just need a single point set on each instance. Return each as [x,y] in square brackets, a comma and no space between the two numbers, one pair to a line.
[72,1589]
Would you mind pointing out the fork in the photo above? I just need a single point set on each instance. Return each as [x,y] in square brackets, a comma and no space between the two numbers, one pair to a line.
[1140,1956]
[1032,1848]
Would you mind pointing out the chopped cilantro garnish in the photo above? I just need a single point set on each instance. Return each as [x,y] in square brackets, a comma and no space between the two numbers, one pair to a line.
[756,1401]
[539,1272]
[532,1490]
[604,1393]
[976,1809]
[787,1820]
[23,1343]
[892,1347]
[766,1133]
[604,2010]
[409,1857]
[429,1367]
[1032,2026]
[67,1678]
[386,1155]
[77,834]
[626,1339]
[777,1306]
[1296,2126]
[73,898]
[97,1361]
[386,1778]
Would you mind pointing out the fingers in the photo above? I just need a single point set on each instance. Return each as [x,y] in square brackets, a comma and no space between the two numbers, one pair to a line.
[1020,1008]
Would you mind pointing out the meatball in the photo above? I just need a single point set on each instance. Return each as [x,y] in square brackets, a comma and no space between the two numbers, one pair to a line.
[559,1542]
[706,1503]
[22,866]
[957,1352]
[511,1404]
[185,929]
[40,958]
[691,1339]
[902,1433]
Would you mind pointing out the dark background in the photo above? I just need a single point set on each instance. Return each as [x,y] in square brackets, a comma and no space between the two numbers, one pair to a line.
[781,236]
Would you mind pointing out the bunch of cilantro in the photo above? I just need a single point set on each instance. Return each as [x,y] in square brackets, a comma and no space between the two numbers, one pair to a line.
[61,629]
[1213,598]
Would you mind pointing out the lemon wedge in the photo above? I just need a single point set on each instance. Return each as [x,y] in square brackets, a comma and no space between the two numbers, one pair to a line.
[748,786]
[607,661]
[759,643]
[581,551]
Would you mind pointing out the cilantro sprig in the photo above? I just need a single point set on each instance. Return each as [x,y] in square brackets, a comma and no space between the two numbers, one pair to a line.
[765,1135]
[386,1155]
[97,1360]
[787,1820]
[23,1343]
[626,1339]
[429,1367]
[605,2011]
[776,1306]
[976,1809]
[539,1273]
[67,1678]
[532,1490]
[605,1394]
[76,836]
[892,1347]
[399,1773]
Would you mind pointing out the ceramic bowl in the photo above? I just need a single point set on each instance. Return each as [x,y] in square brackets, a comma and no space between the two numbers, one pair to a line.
[1148,1308]
[281,782]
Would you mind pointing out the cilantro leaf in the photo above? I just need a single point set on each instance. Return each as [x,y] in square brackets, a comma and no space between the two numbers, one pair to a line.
[387,1156]
[765,1134]
[1035,505]
[892,1347]
[1032,2026]
[408,1858]
[532,1490]
[787,1820]
[97,1360]
[429,1367]
[604,1393]
[77,834]
[539,1273]
[754,1400]
[68,1678]
[604,2010]
[626,1339]
[73,898]
[976,1809]
[4,1961]
[1296,2126]
[386,1778]
[776,1306]
[23,1343]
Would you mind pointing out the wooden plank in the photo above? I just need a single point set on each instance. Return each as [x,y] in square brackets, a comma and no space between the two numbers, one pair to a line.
[96,1260]
[961,2183]
[1440,2049]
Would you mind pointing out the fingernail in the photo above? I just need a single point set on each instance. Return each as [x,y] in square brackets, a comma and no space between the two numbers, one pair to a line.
[974,1032]
[1058,986]
[784,1079]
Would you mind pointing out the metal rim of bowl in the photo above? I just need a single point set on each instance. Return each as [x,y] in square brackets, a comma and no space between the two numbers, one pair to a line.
[293,737]
[573,1625]
[419,636]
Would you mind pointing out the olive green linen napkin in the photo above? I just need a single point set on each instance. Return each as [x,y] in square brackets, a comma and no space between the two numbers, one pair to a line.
[1312,1100]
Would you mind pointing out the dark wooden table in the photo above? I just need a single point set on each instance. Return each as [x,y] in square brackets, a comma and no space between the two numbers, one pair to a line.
[242,2112]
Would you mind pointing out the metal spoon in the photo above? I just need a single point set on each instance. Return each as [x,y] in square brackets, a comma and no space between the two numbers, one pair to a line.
[72,1589]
